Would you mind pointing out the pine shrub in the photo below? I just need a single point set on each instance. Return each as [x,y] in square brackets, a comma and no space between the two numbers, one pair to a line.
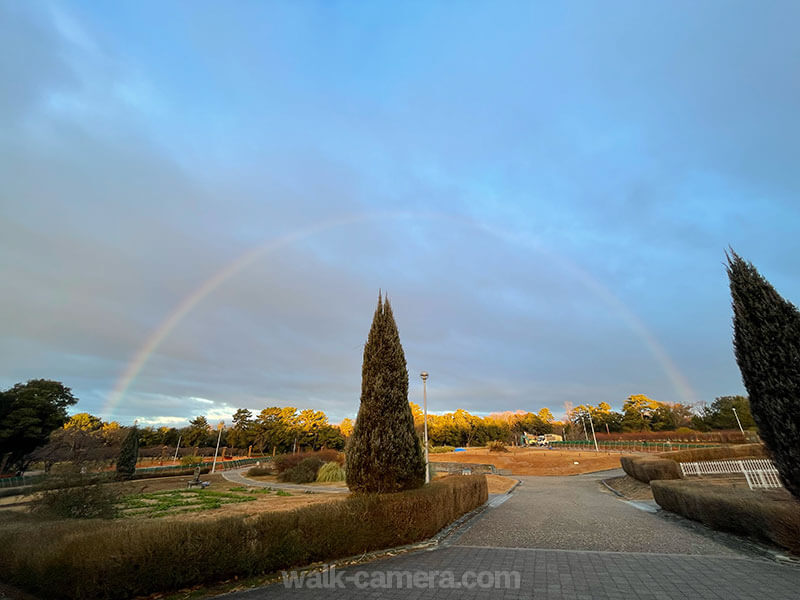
[497,446]
[767,346]
[128,455]
[383,453]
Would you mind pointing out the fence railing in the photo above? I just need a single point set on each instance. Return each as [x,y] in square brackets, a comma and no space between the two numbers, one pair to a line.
[759,472]
[26,480]
[11,482]
[627,446]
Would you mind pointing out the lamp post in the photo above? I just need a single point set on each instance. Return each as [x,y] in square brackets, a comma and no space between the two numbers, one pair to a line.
[424,376]
[221,426]
[736,414]
[594,437]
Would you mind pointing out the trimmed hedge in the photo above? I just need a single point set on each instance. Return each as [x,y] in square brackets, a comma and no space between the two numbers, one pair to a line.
[718,453]
[772,516]
[649,468]
[126,558]
[665,465]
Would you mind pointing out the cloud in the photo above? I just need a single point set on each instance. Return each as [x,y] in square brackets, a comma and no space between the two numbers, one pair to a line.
[508,191]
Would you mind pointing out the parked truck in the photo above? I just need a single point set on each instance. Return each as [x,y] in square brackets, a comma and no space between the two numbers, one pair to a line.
[547,439]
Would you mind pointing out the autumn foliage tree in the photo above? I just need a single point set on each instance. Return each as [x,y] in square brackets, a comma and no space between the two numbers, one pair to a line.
[384,453]
[766,342]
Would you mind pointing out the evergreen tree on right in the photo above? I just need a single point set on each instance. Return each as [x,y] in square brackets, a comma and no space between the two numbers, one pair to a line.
[383,453]
[767,346]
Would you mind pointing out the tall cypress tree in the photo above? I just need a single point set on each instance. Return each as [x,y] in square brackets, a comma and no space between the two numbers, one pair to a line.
[128,454]
[767,345]
[383,453]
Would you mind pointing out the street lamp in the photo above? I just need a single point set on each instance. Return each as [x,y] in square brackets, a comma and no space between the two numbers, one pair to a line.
[220,427]
[735,414]
[424,376]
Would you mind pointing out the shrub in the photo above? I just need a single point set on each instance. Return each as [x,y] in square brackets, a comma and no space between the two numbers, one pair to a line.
[383,452]
[128,454]
[258,471]
[191,461]
[719,453]
[331,471]
[769,516]
[766,340]
[127,558]
[287,461]
[441,449]
[649,468]
[75,496]
[305,472]
[497,446]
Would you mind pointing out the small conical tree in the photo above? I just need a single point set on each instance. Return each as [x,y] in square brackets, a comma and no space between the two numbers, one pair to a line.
[128,454]
[384,453]
[767,345]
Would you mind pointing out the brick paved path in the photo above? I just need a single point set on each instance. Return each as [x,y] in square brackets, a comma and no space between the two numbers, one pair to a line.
[568,540]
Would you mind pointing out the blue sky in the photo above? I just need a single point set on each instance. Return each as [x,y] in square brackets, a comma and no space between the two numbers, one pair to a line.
[546,191]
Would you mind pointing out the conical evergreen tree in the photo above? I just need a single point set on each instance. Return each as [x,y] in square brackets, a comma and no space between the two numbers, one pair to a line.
[767,346]
[128,454]
[383,453]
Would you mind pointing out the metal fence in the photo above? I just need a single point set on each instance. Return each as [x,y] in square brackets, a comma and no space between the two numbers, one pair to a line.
[26,480]
[627,446]
[759,472]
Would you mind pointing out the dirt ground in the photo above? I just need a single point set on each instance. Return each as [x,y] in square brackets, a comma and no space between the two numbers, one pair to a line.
[536,461]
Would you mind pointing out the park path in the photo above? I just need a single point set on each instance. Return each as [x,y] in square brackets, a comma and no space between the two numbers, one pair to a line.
[237,476]
[567,538]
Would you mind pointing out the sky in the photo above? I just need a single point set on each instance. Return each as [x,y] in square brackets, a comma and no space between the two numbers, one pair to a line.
[201,201]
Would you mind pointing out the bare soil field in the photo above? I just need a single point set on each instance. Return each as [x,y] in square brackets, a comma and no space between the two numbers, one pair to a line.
[536,461]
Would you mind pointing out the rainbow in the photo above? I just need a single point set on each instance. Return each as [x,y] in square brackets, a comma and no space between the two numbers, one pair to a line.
[168,324]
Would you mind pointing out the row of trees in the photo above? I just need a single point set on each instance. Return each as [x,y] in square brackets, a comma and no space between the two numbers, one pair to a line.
[640,413]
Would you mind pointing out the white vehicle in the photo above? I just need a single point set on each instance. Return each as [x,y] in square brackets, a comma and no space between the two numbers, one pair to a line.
[547,438]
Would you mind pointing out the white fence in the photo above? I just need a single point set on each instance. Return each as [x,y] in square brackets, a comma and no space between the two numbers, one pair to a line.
[759,472]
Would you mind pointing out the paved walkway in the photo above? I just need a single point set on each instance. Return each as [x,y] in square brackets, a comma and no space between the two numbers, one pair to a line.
[564,538]
[237,476]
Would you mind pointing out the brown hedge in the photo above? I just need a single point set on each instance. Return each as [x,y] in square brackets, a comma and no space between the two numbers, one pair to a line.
[665,465]
[718,453]
[649,468]
[126,558]
[771,516]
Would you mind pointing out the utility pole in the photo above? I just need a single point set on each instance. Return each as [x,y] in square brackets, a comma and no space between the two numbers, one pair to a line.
[736,414]
[177,447]
[219,437]
[424,376]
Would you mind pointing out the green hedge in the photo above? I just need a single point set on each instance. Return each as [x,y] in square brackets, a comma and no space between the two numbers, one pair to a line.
[772,516]
[125,558]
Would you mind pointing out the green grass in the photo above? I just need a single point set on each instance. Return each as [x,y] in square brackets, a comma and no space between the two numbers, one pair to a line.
[170,502]
[283,493]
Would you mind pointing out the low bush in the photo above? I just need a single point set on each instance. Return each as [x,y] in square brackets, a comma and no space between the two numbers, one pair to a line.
[649,468]
[771,516]
[75,496]
[331,471]
[305,472]
[191,461]
[441,449]
[127,558]
[287,461]
[259,471]
[497,446]
[718,453]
